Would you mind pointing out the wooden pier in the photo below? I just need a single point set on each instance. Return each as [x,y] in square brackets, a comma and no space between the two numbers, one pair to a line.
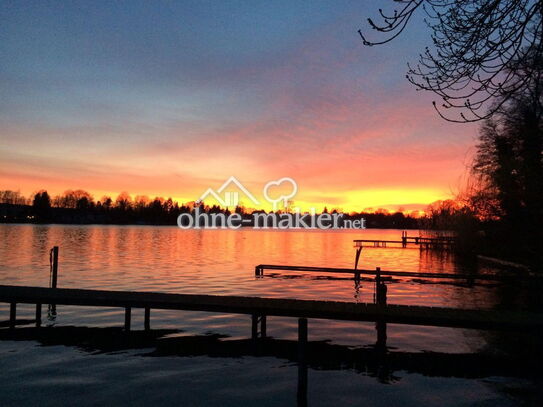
[405,240]
[259,271]
[259,308]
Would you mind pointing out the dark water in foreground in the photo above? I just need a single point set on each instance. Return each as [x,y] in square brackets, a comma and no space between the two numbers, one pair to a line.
[202,358]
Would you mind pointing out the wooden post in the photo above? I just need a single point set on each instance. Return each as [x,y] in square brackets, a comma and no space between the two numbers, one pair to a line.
[381,344]
[54,267]
[380,296]
[12,314]
[38,315]
[302,338]
[357,257]
[301,393]
[302,385]
[53,258]
[302,362]
[254,326]
[377,282]
[404,238]
[127,317]
[147,319]
[263,326]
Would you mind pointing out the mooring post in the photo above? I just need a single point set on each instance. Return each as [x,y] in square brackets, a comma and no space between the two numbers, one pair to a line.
[147,319]
[404,238]
[381,327]
[380,298]
[302,362]
[382,294]
[302,338]
[54,266]
[263,326]
[357,256]
[12,314]
[254,326]
[301,393]
[38,315]
[380,288]
[127,318]
[377,282]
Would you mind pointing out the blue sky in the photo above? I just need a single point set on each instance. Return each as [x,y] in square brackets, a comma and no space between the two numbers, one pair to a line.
[169,98]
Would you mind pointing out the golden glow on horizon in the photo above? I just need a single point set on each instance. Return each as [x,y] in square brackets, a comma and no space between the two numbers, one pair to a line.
[371,199]
[351,141]
[404,200]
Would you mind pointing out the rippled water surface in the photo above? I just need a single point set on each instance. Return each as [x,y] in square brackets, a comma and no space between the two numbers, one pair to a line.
[222,262]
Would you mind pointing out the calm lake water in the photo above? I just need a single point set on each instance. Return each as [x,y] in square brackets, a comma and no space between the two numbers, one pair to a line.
[221,262]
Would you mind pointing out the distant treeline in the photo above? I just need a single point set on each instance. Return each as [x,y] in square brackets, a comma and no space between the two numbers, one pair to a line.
[79,207]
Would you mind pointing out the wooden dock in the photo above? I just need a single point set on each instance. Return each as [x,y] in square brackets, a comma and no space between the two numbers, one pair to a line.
[405,240]
[259,308]
[259,271]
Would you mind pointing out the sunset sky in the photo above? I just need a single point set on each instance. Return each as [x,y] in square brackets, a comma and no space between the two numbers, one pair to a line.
[171,98]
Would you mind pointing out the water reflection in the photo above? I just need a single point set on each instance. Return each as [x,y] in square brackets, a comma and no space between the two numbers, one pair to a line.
[220,262]
[167,259]
[371,360]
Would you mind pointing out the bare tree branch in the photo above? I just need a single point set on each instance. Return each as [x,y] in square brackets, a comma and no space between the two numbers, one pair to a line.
[478,49]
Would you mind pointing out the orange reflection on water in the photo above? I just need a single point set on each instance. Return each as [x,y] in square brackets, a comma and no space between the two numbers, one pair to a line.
[222,262]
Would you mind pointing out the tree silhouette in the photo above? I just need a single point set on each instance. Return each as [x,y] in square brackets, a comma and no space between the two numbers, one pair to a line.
[106,202]
[478,48]
[508,163]
[79,207]
[41,205]
[12,197]
[123,201]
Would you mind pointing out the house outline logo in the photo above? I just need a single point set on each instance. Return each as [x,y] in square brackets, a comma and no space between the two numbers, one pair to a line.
[230,198]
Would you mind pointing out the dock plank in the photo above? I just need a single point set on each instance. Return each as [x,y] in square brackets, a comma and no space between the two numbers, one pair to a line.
[400,314]
[410,274]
